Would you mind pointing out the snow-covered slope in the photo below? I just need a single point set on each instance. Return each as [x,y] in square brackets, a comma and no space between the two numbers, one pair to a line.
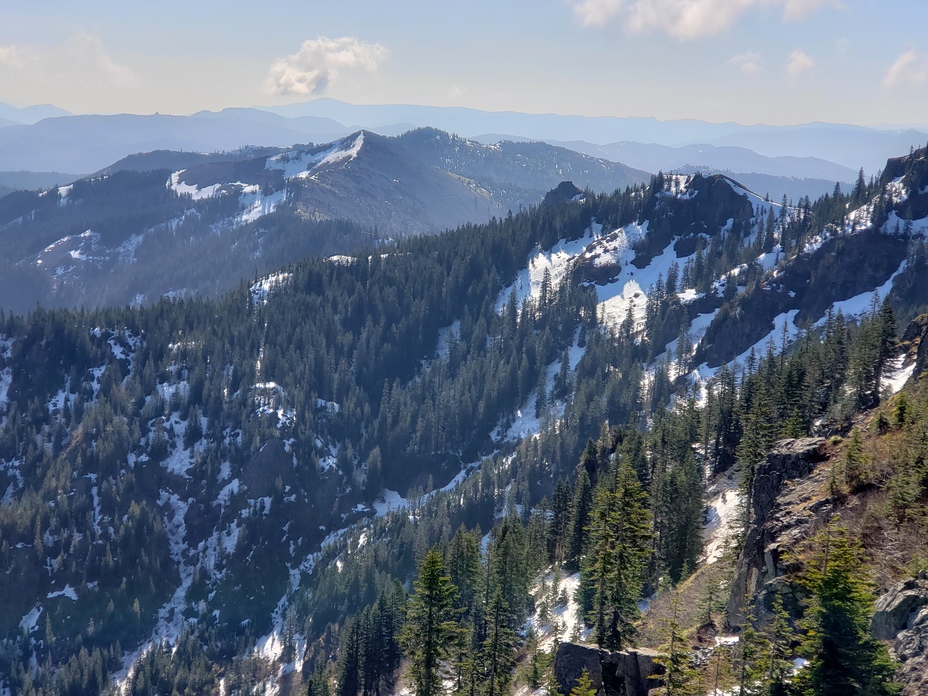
[154,223]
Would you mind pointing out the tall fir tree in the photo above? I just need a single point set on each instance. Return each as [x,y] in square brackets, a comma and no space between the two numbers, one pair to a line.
[844,659]
[616,558]
[431,631]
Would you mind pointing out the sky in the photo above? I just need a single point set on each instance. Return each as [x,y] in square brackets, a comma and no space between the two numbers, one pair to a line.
[750,61]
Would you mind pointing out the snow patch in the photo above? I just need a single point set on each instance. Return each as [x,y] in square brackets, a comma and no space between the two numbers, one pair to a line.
[192,190]
[29,622]
[68,592]
[563,621]
[723,505]
[860,305]
[896,374]
[304,164]
[556,261]
[257,205]
[785,320]
[388,502]
[261,290]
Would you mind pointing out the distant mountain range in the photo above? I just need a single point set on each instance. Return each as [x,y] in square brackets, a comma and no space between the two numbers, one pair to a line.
[847,145]
[10,115]
[186,223]
[654,158]
[49,139]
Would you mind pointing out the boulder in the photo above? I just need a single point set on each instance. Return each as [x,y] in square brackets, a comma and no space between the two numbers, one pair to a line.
[621,673]
[896,607]
[911,650]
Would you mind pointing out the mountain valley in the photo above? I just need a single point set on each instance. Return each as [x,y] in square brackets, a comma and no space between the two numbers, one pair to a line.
[231,486]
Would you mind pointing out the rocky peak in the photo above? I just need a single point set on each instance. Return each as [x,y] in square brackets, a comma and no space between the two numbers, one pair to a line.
[564,192]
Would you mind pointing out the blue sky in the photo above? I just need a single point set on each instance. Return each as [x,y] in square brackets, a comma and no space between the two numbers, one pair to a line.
[751,61]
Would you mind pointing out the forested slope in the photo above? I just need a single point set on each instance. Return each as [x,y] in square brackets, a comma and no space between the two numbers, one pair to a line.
[220,475]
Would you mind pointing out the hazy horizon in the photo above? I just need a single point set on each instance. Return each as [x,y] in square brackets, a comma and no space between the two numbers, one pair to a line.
[770,62]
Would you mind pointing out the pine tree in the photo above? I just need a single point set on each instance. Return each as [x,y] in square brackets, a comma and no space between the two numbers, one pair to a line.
[431,631]
[464,567]
[584,685]
[778,635]
[854,465]
[349,660]
[552,688]
[752,449]
[497,653]
[613,567]
[679,677]
[844,659]
[579,518]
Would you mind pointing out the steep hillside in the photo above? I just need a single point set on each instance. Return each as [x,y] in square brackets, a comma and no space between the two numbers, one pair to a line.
[517,171]
[185,223]
[255,478]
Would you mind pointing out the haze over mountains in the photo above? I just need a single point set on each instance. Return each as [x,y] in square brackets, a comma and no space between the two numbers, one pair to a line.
[184,223]
[43,139]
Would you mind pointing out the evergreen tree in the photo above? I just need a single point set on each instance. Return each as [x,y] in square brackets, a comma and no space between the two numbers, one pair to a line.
[844,659]
[579,518]
[431,631]
[679,676]
[613,567]
[497,653]
[583,685]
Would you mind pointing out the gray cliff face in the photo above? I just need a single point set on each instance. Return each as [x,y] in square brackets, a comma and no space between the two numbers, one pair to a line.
[902,616]
[623,673]
[787,509]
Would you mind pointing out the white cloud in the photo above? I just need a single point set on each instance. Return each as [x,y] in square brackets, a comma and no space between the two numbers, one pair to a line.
[10,57]
[800,9]
[748,63]
[909,70]
[685,19]
[799,63]
[87,54]
[319,62]
[82,60]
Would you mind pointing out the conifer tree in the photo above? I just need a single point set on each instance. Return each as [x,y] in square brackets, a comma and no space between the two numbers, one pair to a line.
[679,677]
[844,659]
[613,568]
[579,518]
[497,653]
[431,631]
[778,635]
[584,685]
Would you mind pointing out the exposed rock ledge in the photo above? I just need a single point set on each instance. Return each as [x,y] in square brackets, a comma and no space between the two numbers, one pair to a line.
[624,673]
[902,615]
[787,509]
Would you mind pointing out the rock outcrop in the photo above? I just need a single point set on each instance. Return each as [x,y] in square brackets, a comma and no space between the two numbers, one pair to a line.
[902,616]
[565,192]
[623,673]
[787,508]
[914,344]
[897,606]
[911,650]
